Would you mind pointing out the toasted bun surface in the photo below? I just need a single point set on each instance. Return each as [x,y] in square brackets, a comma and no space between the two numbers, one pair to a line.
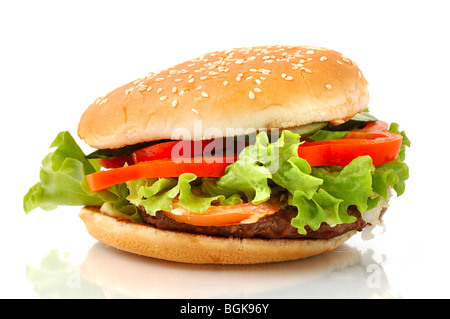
[246,88]
[148,241]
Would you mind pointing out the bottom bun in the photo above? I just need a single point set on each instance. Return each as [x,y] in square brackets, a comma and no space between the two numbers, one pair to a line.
[146,240]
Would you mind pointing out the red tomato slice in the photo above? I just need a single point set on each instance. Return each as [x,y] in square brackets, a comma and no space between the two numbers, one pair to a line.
[188,149]
[154,152]
[373,140]
[115,162]
[164,150]
[377,126]
[224,215]
[200,166]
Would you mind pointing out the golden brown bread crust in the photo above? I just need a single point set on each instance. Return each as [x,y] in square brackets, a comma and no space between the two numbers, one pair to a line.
[148,241]
[247,88]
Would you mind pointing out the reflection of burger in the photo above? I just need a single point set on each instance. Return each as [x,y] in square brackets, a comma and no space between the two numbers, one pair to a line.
[104,268]
[248,155]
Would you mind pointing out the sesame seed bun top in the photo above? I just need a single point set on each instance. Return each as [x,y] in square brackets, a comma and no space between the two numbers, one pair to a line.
[244,88]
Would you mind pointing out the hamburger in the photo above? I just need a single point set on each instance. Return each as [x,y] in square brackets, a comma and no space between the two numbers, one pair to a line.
[248,155]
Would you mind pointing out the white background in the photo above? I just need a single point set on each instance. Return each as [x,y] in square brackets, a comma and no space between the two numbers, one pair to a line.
[57,57]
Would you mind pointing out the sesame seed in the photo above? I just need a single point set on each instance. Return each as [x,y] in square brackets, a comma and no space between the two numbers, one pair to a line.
[328,86]
[191,80]
[225,83]
[203,77]
[204,94]
[310,52]
[307,70]
[258,82]
[339,62]
[195,111]
[159,79]
[159,90]
[323,58]
[289,78]
[199,88]
[174,89]
[359,74]
[162,98]
[251,95]
[238,78]
[253,70]
[283,75]
[149,89]
[178,80]
[104,101]
[257,90]
[174,103]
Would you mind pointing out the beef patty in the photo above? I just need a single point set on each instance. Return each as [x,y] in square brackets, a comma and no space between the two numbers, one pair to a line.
[276,226]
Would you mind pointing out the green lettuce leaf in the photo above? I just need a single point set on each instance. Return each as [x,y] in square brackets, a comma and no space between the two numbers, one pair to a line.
[246,177]
[158,194]
[323,207]
[191,201]
[264,161]
[353,183]
[62,173]
[394,174]
[154,194]
[63,182]
[293,173]
[394,128]
[340,188]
